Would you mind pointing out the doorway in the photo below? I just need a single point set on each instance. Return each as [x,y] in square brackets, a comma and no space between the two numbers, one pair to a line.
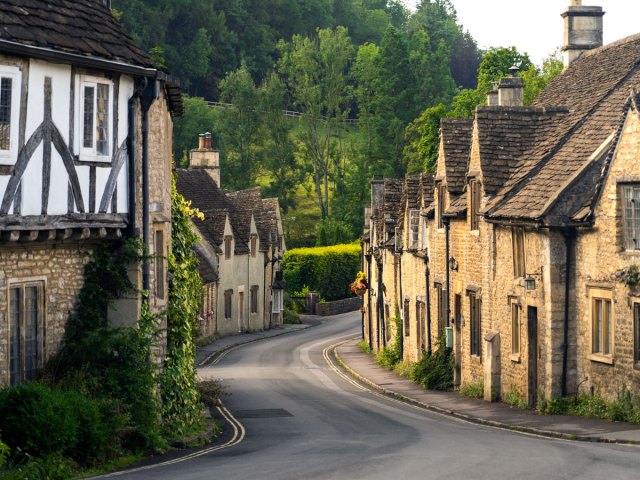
[532,361]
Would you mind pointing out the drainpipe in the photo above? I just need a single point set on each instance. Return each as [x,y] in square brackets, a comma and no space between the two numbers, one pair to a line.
[428,298]
[149,95]
[569,236]
[446,265]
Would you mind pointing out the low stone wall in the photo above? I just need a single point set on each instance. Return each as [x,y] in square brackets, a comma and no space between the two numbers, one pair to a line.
[325,309]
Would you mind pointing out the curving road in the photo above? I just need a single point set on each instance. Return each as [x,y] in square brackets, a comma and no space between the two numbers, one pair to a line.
[297,418]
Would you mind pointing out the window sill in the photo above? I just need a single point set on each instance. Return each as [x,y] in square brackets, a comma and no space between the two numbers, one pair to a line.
[606,359]
[476,358]
[515,357]
[475,233]
[88,158]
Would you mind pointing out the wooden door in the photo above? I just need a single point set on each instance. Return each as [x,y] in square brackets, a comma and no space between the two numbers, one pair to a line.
[532,363]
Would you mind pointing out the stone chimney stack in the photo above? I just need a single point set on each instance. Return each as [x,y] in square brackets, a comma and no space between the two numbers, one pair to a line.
[511,90]
[492,96]
[582,30]
[206,157]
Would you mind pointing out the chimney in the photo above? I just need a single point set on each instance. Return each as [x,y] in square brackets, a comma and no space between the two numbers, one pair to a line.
[206,157]
[582,30]
[492,96]
[511,90]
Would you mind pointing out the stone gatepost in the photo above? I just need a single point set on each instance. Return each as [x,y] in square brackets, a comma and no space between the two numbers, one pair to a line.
[492,367]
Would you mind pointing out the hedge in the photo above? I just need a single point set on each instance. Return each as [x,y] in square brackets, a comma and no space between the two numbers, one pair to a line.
[328,270]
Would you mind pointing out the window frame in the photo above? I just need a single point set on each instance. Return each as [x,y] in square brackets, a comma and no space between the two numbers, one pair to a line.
[601,328]
[228,304]
[228,244]
[413,232]
[441,204]
[253,300]
[516,331]
[474,204]
[627,222]
[10,156]
[160,270]
[475,324]
[407,317]
[636,332]
[91,154]
[518,252]
[40,331]
[253,245]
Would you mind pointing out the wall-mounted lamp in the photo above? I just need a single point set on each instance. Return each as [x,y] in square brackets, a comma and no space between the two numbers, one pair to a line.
[529,283]
[453,264]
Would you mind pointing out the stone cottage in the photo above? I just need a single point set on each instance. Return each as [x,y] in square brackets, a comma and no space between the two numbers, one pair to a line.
[532,257]
[241,248]
[85,155]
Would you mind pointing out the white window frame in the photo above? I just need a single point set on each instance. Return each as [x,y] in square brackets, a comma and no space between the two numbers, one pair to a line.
[602,343]
[277,301]
[413,236]
[631,223]
[84,153]
[10,156]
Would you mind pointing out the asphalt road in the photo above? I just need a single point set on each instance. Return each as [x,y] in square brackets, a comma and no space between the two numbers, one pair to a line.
[297,418]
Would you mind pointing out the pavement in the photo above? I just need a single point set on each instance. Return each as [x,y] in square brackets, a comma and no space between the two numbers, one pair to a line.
[363,367]
[209,352]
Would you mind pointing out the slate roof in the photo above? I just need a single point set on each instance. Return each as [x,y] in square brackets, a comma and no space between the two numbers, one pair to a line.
[456,138]
[386,216]
[427,187]
[457,208]
[207,270]
[595,88]
[197,186]
[82,27]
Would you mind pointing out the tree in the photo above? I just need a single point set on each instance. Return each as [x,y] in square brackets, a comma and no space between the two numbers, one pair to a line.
[198,118]
[423,136]
[279,164]
[536,78]
[240,129]
[316,73]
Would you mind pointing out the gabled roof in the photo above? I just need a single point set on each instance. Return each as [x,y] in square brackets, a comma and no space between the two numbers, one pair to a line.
[212,227]
[82,27]
[197,186]
[427,186]
[456,140]
[206,268]
[595,88]
[410,199]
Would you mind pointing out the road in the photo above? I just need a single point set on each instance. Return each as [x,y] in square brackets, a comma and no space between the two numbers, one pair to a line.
[300,419]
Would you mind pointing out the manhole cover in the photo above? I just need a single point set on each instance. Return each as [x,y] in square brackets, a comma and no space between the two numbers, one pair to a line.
[263,413]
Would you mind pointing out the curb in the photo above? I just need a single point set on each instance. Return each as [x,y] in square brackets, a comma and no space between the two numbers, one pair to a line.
[217,353]
[476,420]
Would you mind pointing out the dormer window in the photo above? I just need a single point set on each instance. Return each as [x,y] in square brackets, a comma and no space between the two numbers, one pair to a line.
[254,245]
[631,215]
[414,228]
[441,200]
[227,246]
[95,104]
[9,113]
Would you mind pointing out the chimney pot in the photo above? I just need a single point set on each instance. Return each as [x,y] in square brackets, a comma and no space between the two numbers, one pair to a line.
[201,141]
[207,141]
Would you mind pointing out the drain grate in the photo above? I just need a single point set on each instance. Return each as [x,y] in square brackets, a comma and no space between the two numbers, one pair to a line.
[263,413]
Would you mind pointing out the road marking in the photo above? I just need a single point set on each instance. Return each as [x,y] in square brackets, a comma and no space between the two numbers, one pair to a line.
[239,433]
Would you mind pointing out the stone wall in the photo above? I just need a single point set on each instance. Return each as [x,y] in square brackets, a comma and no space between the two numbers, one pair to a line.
[325,309]
[60,270]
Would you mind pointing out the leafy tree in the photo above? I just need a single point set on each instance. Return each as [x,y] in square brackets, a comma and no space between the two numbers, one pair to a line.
[316,73]
[536,78]
[198,118]
[423,136]
[239,127]
[279,156]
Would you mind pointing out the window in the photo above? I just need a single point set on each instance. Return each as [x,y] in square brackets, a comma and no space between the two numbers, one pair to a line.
[160,271]
[631,216]
[441,299]
[254,299]
[602,338]
[9,113]
[421,315]
[277,301]
[254,244]
[228,298]
[241,304]
[414,228]
[515,328]
[475,321]
[227,246]
[424,239]
[636,332]
[407,323]
[517,243]
[26,331]
[474,202]
[95,118]
[457,309]
[441,199]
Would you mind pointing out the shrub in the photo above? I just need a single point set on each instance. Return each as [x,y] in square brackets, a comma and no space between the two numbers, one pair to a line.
[328,270]
[434,371]
[514,398]
[211,391]
[473,390]
[39,421]
[390,355]
[364,346]
[4,453]
[52,467]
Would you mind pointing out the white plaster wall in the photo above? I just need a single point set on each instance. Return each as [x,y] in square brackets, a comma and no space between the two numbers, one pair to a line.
[102,175]
[83,179]
[59,186]
[32,185]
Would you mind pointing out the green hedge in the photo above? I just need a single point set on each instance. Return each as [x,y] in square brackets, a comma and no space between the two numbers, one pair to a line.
[328,270]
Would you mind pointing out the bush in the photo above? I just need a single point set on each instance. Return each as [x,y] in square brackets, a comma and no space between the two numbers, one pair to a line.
[391,355]
[435,370]
[39,421]
[473,390]
[52,467]
[514,398]
[211,391]
[364,346]
[328,270]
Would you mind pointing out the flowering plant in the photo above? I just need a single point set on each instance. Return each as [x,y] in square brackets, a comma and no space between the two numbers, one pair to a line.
[359,285]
